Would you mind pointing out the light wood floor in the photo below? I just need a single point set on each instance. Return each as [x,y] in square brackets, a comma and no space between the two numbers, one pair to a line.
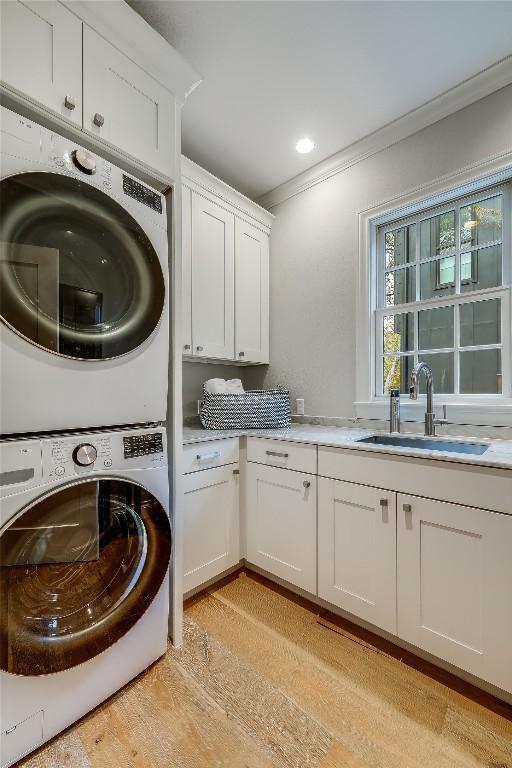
[264,679]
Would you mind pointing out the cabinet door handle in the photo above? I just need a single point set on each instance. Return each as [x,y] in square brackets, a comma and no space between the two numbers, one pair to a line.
[208,456]
[306,484]
[241,354]
[236,471]
[277,454]
[383,502]
[69,102]
[186,346]
[199,349]
[407,508]
[98,119]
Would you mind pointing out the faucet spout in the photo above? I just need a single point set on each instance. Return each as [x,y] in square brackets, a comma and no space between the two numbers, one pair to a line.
[430,417]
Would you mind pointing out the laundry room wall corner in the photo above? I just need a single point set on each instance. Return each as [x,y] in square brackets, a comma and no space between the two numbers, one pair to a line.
[175,403]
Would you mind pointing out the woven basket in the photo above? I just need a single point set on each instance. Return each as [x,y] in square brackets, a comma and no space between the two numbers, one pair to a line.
[255,409]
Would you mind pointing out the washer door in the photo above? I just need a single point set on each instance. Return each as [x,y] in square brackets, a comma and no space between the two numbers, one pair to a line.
[78,275]
[77,570]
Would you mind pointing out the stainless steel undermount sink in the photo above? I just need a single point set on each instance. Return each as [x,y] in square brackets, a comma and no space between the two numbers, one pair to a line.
[426,444]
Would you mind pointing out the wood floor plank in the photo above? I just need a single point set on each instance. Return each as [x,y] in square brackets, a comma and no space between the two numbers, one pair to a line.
[271,719]
[370,729]
[263,682]
[67,751]
[267,603]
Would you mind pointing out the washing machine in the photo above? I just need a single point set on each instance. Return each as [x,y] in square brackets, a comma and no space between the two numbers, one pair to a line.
[83,287]
[85,545]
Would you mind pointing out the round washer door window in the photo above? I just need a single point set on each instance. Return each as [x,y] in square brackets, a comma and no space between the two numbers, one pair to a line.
[78,275]
[78,569]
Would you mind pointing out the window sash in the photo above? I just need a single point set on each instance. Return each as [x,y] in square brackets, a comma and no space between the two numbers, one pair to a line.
[429,213]
[455,299]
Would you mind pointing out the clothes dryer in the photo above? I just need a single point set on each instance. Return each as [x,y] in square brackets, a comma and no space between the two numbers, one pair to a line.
[83,287]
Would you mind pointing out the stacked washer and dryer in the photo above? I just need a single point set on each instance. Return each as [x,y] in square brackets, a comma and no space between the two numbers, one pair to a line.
[85,537]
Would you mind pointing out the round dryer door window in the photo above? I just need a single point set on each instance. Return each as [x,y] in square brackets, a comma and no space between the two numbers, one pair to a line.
[78,569]
[78,275]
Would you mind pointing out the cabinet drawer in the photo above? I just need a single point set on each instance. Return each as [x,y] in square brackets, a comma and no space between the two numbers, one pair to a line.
[280,453]
[214,453]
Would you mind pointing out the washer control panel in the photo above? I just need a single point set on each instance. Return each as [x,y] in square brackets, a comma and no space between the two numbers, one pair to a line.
[143,194]
[142,445]
[96,452]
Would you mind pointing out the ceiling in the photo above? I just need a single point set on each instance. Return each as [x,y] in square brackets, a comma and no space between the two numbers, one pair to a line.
[334,71]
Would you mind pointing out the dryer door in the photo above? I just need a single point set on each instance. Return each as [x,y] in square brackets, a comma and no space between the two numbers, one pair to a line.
[78,275]
[78,569]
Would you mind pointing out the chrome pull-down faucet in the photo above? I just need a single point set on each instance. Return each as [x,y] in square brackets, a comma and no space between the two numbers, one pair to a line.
[430,418]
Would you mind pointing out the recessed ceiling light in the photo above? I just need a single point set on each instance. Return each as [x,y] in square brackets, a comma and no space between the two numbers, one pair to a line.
[304,146]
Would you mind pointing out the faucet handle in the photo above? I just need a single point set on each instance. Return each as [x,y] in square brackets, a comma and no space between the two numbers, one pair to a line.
[444,420]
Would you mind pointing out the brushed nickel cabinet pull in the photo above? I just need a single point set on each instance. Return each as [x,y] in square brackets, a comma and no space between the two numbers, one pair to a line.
[277,454]
[306,484]
[407,508]
[98,119]
[383,502]
[69,102]
[199,349]
[187,346]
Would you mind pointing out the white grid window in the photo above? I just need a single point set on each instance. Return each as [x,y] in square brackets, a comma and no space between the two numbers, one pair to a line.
[443,294]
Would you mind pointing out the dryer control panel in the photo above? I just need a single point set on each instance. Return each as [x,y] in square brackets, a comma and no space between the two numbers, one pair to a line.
[100,452]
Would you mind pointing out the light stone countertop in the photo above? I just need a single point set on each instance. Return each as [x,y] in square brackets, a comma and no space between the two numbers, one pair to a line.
[499,453]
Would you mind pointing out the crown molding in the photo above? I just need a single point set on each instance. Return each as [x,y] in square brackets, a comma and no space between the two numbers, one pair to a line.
[462,95]
[206,183]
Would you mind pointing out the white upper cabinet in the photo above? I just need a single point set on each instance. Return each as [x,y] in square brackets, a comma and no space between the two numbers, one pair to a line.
[357,550]
[212,279]
[42,55]
[102,69]
[251,293]
[454,578]
[225,269]
[125,106]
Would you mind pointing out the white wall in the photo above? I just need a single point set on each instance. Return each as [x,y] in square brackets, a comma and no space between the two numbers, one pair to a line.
[314,251]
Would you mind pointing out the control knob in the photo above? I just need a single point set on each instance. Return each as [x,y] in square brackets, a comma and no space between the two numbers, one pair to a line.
[85,454]
[84,161]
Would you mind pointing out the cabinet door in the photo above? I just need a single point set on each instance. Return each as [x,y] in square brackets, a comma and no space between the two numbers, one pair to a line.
[251,293]
[137,112]
[186,269]
[212,279]
[42,55]
[357,550]
[281,523]
[454,585]
[211,516]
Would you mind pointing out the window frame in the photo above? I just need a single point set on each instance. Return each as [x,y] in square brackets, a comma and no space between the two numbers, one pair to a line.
[455,299]
[474,181]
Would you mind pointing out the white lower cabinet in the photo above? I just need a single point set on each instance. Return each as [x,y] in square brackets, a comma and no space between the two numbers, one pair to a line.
[357,550]
[211,516]
[455,585]
[281,523]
